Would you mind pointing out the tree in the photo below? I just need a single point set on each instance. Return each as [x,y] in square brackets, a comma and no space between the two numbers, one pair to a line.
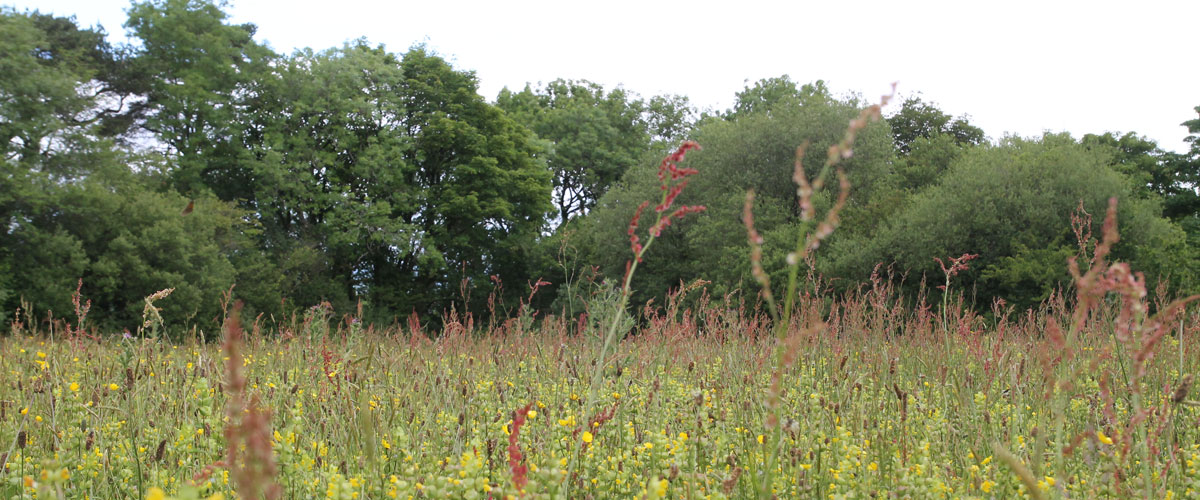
[387,178]
[1139,158]
[754,151]
[671,119]
[125,241]
[592,136]
[917,119]
[927,160]
[1011,204]
[52,107]
[109,82]
[201,70]
[485,197]
[1184,201]
[45,62]
[781,91]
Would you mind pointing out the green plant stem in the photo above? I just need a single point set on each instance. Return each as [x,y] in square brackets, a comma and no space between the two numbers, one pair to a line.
[781,328]
[609,337]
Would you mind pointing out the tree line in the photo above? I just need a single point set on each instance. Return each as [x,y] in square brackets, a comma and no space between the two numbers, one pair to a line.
[196,158]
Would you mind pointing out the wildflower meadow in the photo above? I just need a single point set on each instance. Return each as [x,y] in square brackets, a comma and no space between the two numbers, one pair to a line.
[430,261]
[861,394]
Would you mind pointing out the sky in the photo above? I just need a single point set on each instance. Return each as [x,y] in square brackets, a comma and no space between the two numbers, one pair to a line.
[1014,66]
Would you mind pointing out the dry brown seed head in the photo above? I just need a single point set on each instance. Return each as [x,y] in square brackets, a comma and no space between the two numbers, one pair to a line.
[1181,392]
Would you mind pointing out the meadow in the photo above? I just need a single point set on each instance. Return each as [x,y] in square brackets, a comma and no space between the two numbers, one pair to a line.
[884,400]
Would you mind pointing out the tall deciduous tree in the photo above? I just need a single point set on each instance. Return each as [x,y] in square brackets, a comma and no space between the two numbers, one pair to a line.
[592,136]
[388,178]
[1185,200]
[770,93]
[917,119]
[201,71]
[53,100]
[928,141]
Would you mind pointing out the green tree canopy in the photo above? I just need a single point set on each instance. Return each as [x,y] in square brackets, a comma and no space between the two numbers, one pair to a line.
[928,141]
[917,119]
[1011,204]
[388,178]
[770,93]
[125,242]
[749,151]
[200,71]
[592,136]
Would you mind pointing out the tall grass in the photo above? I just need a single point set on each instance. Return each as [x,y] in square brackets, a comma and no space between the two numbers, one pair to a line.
[868,407]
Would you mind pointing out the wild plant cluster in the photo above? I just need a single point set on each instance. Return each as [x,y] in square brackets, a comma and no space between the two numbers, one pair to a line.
[884,399]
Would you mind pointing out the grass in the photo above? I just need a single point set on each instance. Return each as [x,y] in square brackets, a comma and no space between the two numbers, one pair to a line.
[393,414]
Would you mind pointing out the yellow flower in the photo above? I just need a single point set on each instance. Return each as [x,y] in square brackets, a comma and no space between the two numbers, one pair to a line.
[683,436]
[661,490]
[74,387]
[872,466]
[760,439]
[1103,438]
[986,486]
[531,414]
[587,437]
[113,387]
[156,493]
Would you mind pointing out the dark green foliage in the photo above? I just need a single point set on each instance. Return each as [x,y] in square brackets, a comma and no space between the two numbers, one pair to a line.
[1183,196]
[1171,177]
[199,70]
[1152,169]
[41,112]
[778,92]
[750,150]
[1012,205]
[927,141]
[125,242]
[917,119]
[926,161]
[593,136]
[387,178]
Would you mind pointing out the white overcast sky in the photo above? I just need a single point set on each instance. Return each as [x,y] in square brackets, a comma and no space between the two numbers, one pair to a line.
[1014,66]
